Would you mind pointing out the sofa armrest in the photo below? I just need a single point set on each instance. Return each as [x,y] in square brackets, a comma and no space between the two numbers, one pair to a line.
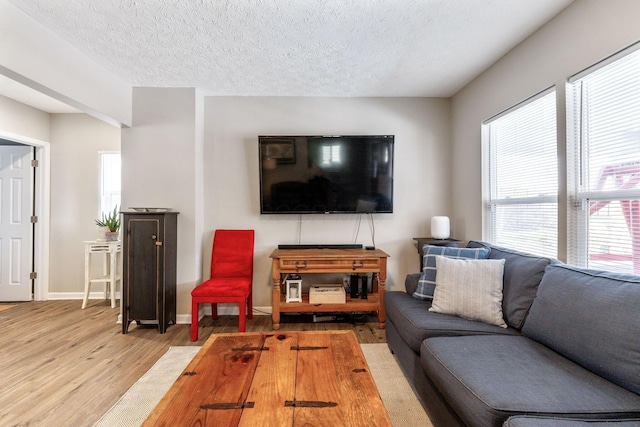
[411,282]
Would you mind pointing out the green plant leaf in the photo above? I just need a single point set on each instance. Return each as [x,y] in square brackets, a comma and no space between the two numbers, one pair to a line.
[111,221]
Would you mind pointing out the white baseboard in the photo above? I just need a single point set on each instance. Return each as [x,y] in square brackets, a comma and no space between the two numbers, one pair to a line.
[78,295]
[181,318]
[223,310]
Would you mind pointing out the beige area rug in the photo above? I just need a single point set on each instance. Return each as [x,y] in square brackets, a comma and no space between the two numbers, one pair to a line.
[136,404]
[397,395]
[6,306]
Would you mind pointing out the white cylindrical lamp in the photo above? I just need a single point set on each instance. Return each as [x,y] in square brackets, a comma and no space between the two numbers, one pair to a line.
[440,227]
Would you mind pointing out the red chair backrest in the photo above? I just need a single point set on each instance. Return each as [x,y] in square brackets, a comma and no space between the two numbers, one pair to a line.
[232,254]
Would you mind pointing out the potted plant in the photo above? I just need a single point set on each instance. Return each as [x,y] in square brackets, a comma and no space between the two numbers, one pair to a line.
[112,223]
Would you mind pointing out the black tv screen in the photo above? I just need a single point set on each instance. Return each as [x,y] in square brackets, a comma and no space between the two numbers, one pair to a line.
[326,174]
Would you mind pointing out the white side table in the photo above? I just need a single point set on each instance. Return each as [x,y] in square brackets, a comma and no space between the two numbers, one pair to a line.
[109,275]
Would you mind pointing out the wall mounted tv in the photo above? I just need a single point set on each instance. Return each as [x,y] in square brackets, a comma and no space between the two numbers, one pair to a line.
[326,174]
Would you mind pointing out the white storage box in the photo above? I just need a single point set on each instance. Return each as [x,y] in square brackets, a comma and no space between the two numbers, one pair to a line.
[327,294]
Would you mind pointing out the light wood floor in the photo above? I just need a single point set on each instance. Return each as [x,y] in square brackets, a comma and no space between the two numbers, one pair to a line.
[64,366]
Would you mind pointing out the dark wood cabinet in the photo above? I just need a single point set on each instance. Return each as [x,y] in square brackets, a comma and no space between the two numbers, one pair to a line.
[149,268]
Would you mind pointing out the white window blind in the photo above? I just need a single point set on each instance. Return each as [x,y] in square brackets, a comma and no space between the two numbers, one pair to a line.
[110,182]
[604,166]
[521,184]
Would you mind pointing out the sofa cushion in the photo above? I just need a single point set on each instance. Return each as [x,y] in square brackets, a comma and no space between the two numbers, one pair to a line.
[470,288]
[593,318]
[522,275]
[488,378]
[427,282]
[415,323]
[532,421]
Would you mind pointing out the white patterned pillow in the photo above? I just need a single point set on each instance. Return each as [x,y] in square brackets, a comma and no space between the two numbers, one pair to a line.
[470,288]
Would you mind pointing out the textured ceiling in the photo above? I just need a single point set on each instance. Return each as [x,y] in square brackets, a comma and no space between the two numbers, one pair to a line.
[296,47]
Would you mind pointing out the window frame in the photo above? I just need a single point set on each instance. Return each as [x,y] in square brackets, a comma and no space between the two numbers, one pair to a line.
[579,194]
[490,199]
[102,192]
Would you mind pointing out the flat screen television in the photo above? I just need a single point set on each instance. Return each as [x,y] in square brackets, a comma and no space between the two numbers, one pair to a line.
[326,174]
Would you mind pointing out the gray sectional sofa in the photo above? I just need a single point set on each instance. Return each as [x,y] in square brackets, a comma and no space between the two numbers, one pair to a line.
[569,356]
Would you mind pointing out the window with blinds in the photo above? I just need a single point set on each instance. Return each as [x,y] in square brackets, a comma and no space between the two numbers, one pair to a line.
[520,177]
[604,165]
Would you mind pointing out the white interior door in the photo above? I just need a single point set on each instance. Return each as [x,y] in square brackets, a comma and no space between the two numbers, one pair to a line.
[16,230]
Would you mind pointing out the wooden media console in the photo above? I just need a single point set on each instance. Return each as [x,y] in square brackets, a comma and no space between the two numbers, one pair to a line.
[349,261]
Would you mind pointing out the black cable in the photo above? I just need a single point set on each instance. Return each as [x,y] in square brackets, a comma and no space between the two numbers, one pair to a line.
[358,228]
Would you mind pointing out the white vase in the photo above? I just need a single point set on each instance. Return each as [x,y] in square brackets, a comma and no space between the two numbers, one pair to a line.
[101,234]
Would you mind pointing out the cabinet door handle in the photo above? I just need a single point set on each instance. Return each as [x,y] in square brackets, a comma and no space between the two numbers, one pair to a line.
[301,264]
[158,243]
[357,264]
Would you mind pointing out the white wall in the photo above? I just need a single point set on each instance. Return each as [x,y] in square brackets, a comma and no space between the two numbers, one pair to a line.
[583,34]
[421,187]
[76,140]
[162,167]
[22,120]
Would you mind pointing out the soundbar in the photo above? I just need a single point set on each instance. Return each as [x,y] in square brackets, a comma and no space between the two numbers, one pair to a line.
[322,246]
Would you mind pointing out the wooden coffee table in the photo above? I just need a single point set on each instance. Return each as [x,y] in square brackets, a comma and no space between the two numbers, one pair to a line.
[274,379]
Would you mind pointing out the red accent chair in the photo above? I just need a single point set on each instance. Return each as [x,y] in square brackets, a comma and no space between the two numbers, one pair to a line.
[231,279]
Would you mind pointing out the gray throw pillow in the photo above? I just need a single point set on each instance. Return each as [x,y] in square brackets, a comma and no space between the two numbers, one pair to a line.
[469,288]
